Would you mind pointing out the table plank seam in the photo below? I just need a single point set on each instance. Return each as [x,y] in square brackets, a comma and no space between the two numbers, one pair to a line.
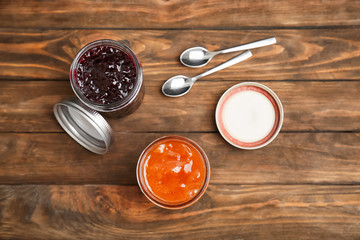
[213,184]
[203,80]
[185,132]
[189,28]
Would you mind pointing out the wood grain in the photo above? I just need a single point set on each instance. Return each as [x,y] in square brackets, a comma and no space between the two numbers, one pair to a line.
[330,158]
[304,185]
[309,106]
[177,14]
[224,212]
[301,54]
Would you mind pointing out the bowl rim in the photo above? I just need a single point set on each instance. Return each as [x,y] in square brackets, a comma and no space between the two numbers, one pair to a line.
[272,94]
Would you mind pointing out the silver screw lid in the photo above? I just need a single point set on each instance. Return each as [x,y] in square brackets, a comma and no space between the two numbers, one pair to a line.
[84,125]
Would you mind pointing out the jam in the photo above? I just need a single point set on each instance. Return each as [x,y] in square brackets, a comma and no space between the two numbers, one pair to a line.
[174,171]
[105,74]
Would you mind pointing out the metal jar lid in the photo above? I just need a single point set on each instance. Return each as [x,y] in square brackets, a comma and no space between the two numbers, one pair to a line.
[84,125]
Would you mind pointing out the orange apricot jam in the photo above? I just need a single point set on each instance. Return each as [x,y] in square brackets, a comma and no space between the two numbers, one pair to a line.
[173,171]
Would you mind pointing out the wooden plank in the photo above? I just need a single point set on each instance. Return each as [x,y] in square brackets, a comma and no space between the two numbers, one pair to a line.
[314,106]
[224,212]
[177,14]
[300,53]
[293,158]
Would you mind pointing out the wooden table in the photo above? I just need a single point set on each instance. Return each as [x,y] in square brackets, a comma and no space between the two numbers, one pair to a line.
[304,185]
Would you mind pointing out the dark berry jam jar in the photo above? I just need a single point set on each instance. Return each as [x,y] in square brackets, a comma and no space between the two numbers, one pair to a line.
[107,77]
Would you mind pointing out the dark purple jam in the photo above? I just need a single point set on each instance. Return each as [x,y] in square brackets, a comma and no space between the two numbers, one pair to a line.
[105,74]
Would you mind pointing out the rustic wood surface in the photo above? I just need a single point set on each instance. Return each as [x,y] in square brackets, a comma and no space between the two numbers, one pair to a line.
[301,54]
[312,158]
[178,13]
[309,106]
[304,185]
[225,212]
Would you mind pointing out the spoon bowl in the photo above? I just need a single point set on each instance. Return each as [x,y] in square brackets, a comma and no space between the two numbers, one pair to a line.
[198,56]
[176,86]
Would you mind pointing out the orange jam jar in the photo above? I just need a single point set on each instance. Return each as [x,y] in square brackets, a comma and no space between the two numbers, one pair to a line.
[173,172]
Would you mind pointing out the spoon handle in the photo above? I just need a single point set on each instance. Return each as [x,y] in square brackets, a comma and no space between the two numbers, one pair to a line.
[257,44]
[235,60]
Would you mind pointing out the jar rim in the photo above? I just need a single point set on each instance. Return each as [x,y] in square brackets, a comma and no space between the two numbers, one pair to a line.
[151,196]
[116,105]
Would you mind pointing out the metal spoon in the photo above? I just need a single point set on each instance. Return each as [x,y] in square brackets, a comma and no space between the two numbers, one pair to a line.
[179,85]
[198,56]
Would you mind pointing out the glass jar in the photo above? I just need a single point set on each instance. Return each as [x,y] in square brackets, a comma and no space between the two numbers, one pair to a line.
[173,172]
[91,64]
[106,77]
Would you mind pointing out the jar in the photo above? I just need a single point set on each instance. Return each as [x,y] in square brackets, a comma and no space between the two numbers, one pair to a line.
[124,100]
[106,77]
[173,172]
